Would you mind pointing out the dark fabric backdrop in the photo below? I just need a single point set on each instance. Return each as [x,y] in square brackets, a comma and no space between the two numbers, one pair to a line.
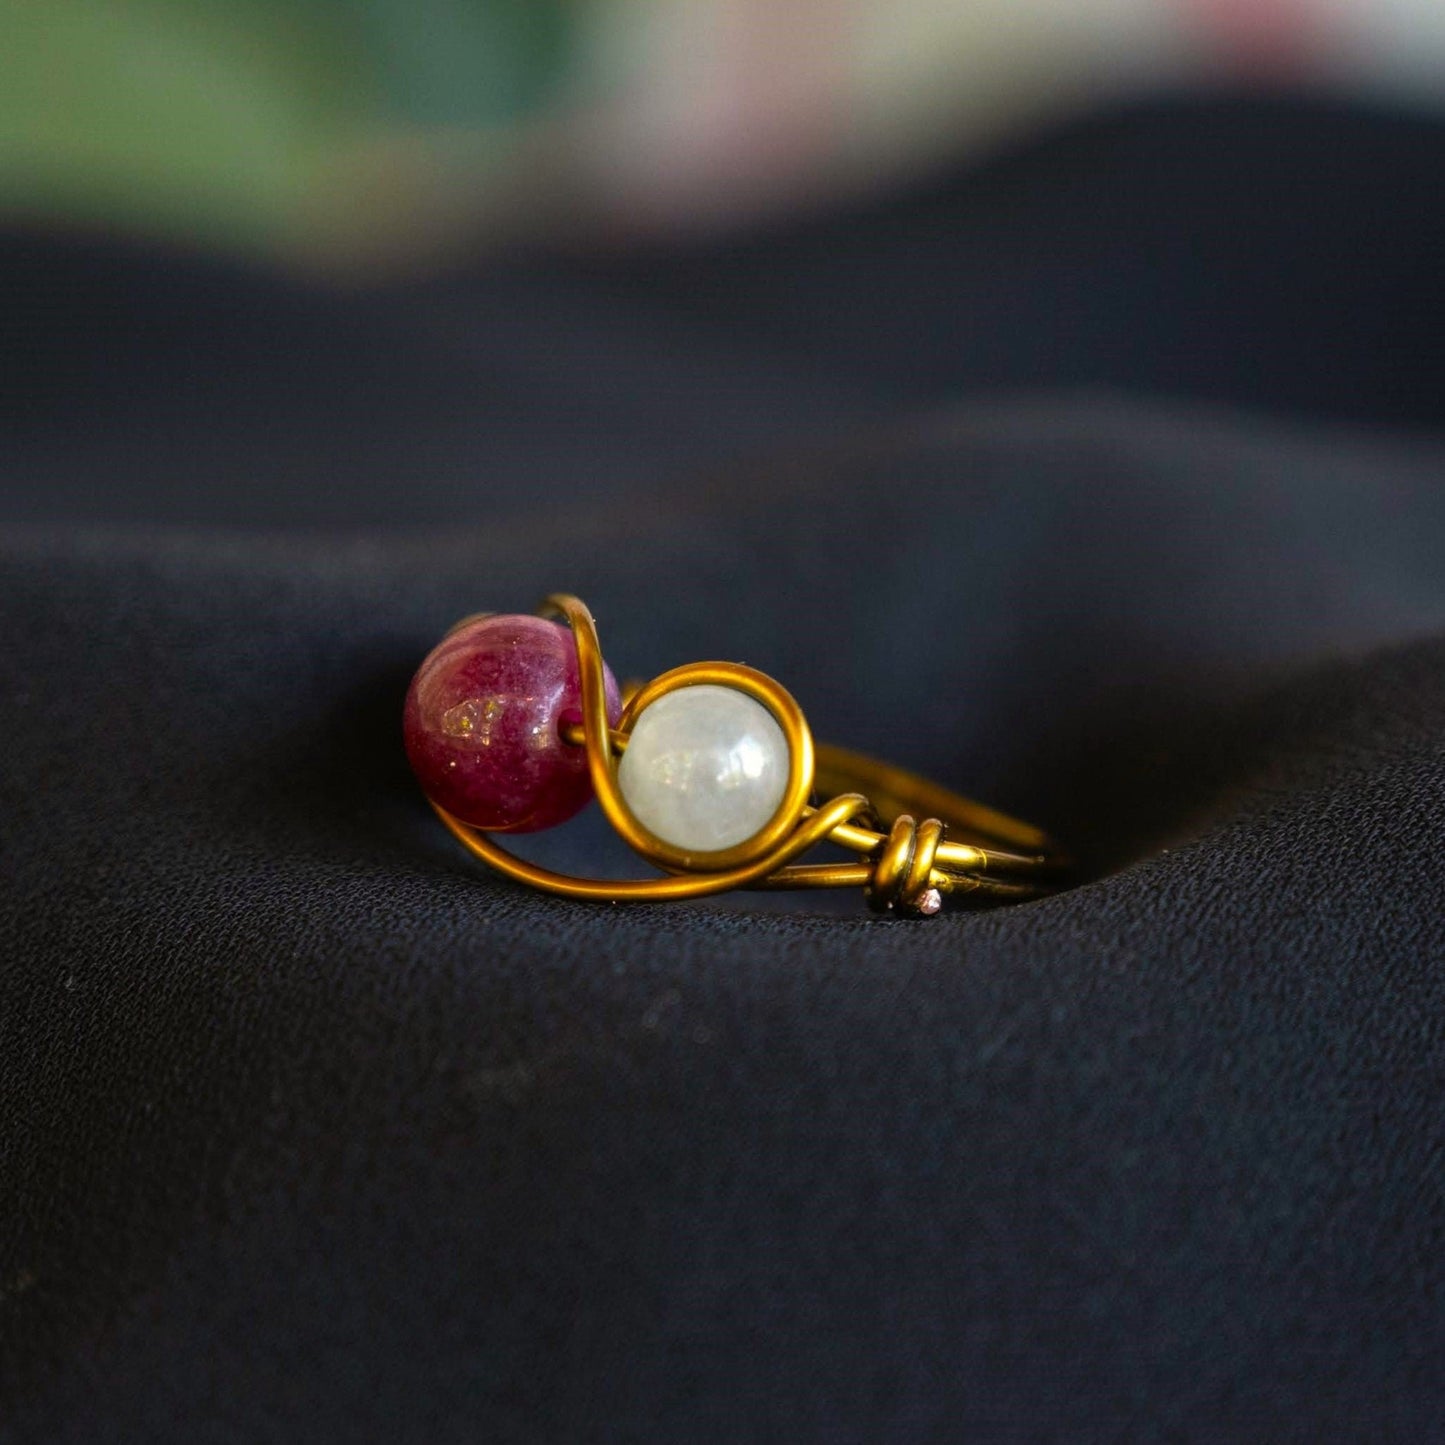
[1103,481]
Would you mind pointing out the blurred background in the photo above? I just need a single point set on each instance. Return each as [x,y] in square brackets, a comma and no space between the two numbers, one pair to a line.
[344,133]
[362,261]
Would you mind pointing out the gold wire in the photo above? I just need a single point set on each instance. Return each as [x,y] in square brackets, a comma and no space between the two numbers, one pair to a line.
[952,850]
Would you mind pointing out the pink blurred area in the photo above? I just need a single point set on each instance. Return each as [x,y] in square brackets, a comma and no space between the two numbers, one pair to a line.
[742,107]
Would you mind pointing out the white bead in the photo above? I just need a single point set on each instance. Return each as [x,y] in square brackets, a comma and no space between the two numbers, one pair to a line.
[706,767]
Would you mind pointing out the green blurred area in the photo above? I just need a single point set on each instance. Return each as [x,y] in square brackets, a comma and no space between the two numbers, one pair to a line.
[254,123]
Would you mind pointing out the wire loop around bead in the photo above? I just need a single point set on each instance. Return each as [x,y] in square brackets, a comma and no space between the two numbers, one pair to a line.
[904,866]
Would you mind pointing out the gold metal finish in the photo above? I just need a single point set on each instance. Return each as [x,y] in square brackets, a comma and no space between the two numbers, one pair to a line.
[960,848]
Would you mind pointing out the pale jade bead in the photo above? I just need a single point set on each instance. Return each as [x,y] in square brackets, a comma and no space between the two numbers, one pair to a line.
[705,769]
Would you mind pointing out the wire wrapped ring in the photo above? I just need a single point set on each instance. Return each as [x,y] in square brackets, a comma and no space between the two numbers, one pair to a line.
[468,726]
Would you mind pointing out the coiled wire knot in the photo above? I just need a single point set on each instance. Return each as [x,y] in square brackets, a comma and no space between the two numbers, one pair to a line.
[902,876]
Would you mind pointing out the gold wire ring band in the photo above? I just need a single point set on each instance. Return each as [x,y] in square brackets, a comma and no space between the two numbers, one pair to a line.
[960,848]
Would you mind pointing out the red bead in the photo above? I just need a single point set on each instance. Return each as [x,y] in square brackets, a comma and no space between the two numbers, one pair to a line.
[482,720]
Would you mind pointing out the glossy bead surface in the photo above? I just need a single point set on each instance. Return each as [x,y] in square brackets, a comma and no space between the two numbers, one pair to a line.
[705,769]
[482,719]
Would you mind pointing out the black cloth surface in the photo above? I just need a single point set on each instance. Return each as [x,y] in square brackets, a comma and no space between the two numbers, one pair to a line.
[311,1129]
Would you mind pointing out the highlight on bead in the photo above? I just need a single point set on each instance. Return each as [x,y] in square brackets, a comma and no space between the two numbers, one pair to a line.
[734,788]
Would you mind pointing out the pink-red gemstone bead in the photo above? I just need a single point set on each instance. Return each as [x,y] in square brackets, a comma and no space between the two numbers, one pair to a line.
[482,720]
